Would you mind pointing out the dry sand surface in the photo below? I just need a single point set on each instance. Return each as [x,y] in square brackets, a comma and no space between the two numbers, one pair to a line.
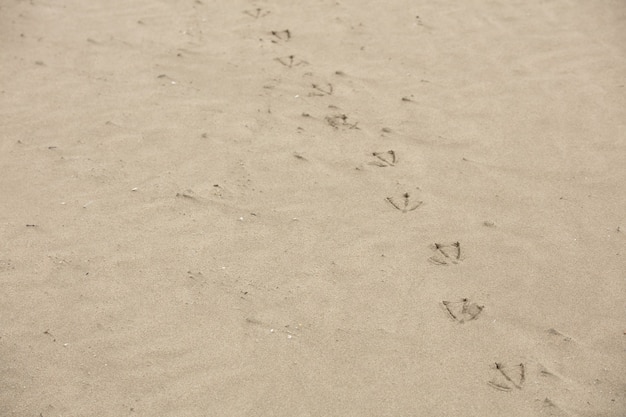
[320,208]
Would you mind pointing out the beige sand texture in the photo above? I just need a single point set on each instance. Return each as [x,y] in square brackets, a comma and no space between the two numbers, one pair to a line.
[194,221]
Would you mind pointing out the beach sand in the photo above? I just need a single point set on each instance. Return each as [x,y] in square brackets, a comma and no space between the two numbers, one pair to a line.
[322,208]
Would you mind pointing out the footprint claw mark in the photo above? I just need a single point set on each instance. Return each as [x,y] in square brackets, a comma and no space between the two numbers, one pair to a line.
[189,194]
[390,200]
[322,91]
[557,334]
[522,375]
[384,159]
[291,61]
[446,253]
[436,261]
[195,275]
[258,12]
[548,373]
[406,204]
[340,120]
[508,377]
[550,408]
[462,311]
[283,35]
[499,386]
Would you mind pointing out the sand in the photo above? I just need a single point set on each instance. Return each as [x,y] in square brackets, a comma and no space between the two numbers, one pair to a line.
[322,208]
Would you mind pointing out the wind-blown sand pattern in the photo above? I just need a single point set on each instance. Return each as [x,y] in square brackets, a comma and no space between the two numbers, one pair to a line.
[321,208]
